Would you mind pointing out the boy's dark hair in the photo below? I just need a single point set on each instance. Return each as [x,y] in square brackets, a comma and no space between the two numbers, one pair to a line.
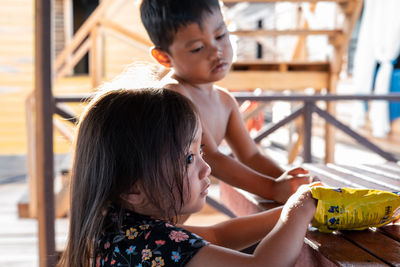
[163,18]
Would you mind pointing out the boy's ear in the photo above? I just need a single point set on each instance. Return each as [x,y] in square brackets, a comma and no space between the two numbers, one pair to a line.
[161,56]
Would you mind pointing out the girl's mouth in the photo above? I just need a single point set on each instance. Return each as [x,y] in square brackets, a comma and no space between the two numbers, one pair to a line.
[204,192]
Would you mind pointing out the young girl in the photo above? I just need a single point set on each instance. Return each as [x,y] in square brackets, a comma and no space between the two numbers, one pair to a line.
[138,165]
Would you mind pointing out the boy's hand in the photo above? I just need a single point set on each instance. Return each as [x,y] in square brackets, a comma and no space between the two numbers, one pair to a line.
[288,183]
[298,171]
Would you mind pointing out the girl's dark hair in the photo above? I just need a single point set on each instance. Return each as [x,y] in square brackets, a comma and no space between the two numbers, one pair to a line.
[125,137]
[163,18]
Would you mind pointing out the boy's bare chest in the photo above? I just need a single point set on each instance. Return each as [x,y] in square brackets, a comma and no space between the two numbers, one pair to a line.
[214,116]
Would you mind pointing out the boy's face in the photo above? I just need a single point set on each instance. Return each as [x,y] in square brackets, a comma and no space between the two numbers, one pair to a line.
[202,55]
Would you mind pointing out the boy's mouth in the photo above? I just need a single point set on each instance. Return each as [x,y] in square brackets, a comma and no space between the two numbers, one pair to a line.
[220,66]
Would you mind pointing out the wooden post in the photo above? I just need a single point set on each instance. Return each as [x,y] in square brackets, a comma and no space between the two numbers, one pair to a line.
[44,133]
[68,27]
[352,10]
[307,125]
[330,139]
[95,66]
[30,124]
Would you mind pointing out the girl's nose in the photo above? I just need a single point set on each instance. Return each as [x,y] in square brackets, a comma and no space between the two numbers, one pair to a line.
[205,169]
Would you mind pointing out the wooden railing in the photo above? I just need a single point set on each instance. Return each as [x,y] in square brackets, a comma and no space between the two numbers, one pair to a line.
[306,110]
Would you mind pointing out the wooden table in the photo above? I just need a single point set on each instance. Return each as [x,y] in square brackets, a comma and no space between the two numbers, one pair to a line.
[372,247]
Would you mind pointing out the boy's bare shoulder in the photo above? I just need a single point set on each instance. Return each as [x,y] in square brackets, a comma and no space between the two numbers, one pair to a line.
[225,96]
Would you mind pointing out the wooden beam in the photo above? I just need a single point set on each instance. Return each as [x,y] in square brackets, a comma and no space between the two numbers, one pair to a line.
[272,62]
[76,57]
[44,134]
[297,65]
[82,33]
[125,32]
[300,1]
[301,32]
[274,80]
[62,198]
[31,136]
[95,61]
[330,137]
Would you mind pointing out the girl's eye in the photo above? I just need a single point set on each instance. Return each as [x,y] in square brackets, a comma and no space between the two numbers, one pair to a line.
[201,150]
[189,159]
[196,50]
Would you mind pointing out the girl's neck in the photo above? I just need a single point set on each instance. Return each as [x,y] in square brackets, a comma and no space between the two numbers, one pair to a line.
[148,211]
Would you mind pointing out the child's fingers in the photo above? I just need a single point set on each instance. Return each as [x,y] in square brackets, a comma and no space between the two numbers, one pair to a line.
[298,181]
[297,171]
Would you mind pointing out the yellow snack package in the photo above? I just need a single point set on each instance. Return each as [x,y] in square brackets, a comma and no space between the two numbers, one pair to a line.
[353,208]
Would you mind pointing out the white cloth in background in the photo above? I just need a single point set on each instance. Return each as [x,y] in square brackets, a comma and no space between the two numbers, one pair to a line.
[378,42]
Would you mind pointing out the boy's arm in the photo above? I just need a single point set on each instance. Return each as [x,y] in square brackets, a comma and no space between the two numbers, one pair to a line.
[242,175]
[239,175]
[234,172]
[244,148]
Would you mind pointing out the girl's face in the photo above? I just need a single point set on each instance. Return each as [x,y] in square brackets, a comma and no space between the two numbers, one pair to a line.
[198,171]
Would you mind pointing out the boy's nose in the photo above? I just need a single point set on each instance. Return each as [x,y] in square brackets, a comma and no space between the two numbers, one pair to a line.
[216,52]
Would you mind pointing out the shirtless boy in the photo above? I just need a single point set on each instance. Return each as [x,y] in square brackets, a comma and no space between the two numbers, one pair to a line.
[191,38]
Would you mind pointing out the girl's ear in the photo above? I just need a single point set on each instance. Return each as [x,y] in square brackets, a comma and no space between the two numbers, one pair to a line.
[161,56]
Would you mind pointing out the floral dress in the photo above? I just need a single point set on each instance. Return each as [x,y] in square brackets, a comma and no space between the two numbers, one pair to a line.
[142,241]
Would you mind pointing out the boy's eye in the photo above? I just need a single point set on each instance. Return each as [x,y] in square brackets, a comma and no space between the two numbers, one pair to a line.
[221,36]
[196,50]
[189,159]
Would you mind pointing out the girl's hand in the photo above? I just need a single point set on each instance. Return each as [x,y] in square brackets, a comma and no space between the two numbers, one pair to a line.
[300,206]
